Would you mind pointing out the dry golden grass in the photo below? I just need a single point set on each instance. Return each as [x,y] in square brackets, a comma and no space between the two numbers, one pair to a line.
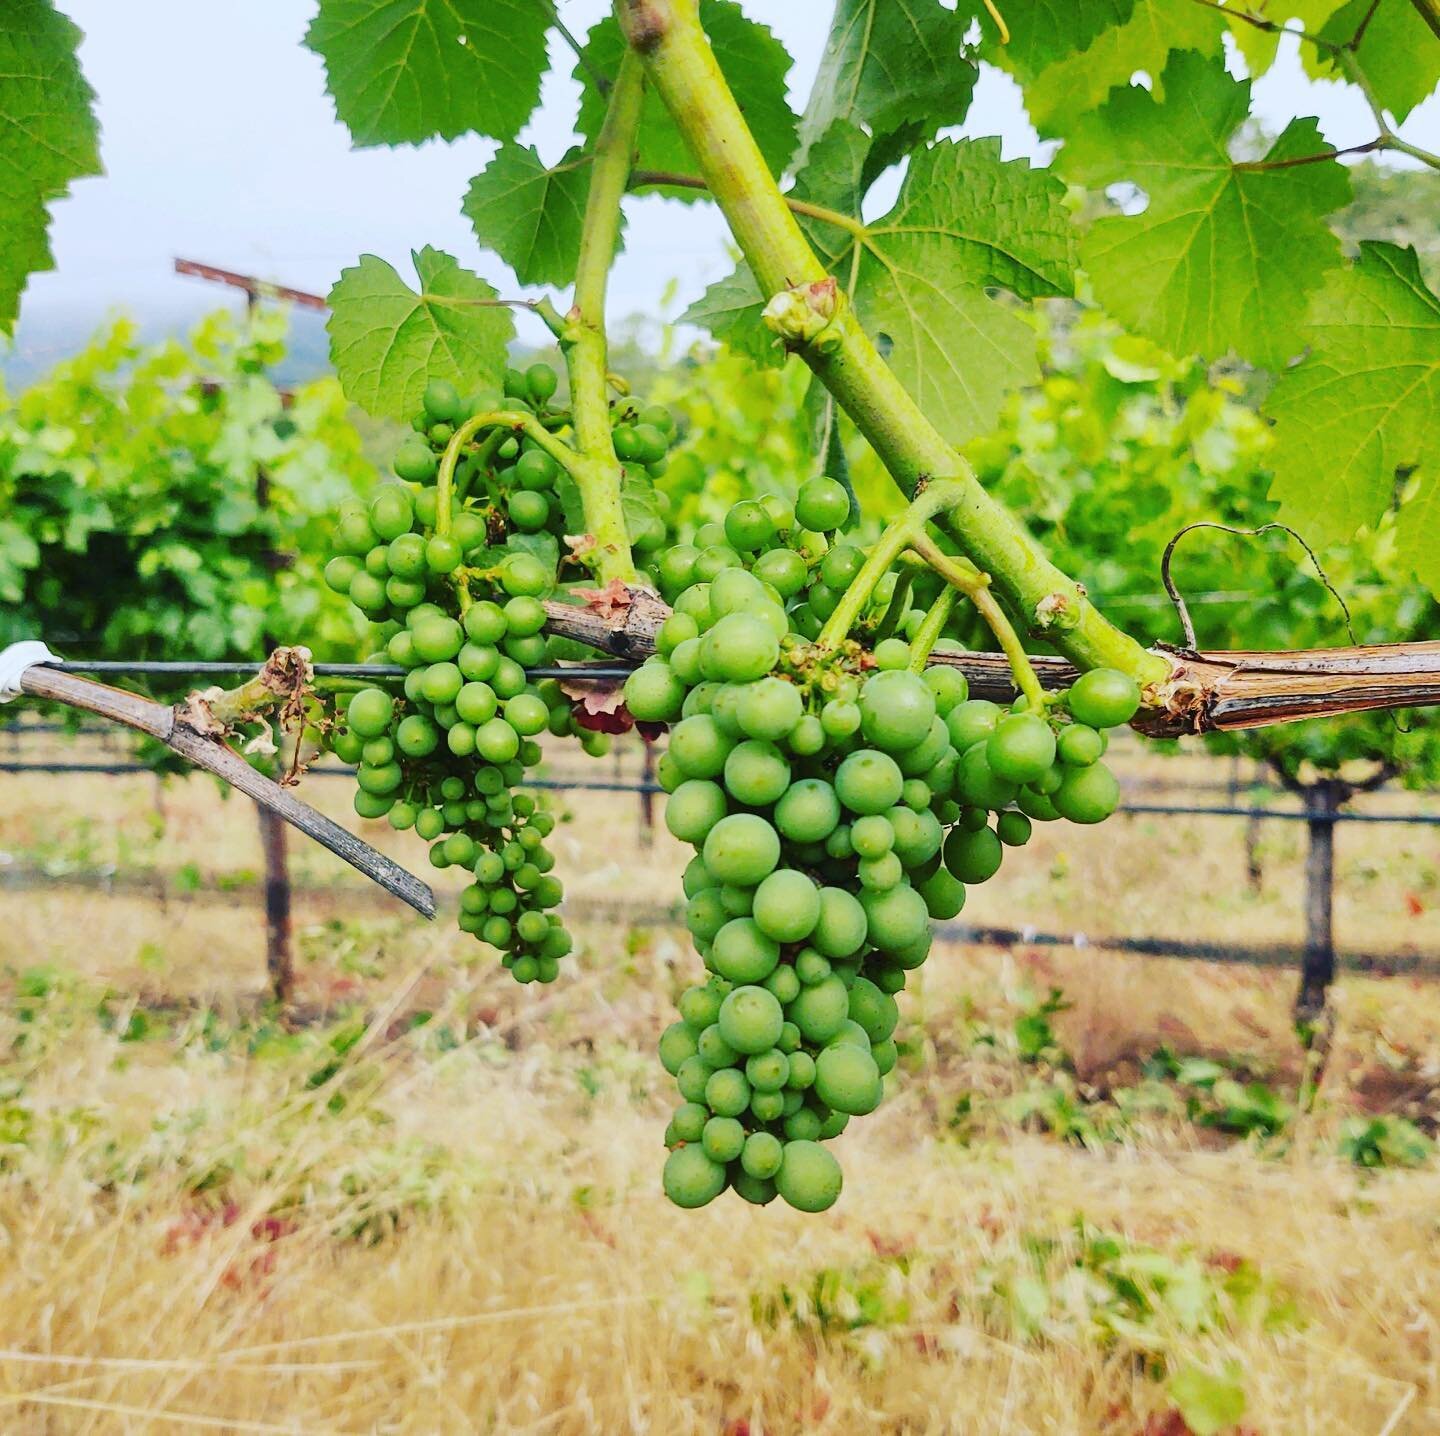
[459,1229]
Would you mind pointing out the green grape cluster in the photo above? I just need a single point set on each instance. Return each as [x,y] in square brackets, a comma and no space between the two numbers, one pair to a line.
[838,801]
[446,756]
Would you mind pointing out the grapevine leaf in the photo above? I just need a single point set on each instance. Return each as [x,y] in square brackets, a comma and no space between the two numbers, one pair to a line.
[894,67]
[405,71]
[529,215]
[754,63]
[387,341]
[964,223]
[48,137]
[1398,54]
[1079,82]
[1044,31]
[1259,46]
[730,310]
[1363,403]
[834,176]
[1416,525]
[1225,255]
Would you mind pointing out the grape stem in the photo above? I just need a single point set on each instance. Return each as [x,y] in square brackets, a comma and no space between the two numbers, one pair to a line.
[976,587]
[899,603]
[936,617]
[599,474]
[681,65]
[902,533]
[513,419]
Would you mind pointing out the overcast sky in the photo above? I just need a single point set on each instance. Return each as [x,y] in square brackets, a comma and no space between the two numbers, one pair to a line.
[220,144]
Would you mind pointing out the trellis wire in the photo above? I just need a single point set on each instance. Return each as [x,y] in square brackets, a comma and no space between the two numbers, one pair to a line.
[583,673]
[599,785]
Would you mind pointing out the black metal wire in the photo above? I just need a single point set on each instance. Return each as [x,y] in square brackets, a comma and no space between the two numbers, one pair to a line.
[584,673]
[1217,810]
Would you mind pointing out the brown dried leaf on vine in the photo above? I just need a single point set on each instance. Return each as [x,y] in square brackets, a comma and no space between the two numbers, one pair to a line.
[610,602]
[598,707]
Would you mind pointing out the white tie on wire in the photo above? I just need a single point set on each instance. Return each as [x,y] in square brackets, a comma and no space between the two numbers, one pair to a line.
[15,660]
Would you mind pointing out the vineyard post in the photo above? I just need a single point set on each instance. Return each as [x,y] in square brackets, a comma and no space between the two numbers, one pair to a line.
[647,793]
[274,843]
[1317,968]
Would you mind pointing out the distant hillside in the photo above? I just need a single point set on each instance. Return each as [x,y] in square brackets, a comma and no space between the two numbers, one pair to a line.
[45,336]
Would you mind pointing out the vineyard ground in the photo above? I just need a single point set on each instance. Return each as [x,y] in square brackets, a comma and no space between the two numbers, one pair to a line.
[442,1214]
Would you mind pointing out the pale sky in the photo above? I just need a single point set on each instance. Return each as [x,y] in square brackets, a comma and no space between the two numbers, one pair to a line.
[220,144]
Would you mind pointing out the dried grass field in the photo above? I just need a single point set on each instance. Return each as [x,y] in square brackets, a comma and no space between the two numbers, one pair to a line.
[428,1201]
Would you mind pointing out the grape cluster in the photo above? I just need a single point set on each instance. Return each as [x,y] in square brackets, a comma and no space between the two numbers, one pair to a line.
[461,611]
[838,801]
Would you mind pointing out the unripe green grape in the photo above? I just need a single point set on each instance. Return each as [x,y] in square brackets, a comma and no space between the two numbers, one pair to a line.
[526,714]
[688,1121]
[971,721]
[415,462]
[821,505]
[653,693]
[1021,748]
[767,1071]
[769,709]
[485,623]
[699,746]
[1013,829]
[895,918]
[1079,745]
[748,527]
[802,1125]
[739,647]
[973,857]
[880,874]
[741,848]
[677,629]
[442,554]
[840,566]
[369,712]
[1103,698]
[509,678]
[367,593]
[373,805]
[787,906]
[743,953]
[540,382]
[714,560]
[1087,795]
[694,809]
[944,894]
[750,1020]
[723,1139]
[391,511]
[678,1044]
[528,510]
[523,574]
[872,836]
[699,1006]
[727,1093]
[340,571]
[756,773]
[762,1155]
[691,1179]
[738,901]
[714,1051]
[847,1079]
[977,783]
[783,984]
[783,569]
[377,751]
[949,686]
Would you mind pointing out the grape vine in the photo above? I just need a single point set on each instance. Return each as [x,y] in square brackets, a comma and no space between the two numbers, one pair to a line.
[839,790]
